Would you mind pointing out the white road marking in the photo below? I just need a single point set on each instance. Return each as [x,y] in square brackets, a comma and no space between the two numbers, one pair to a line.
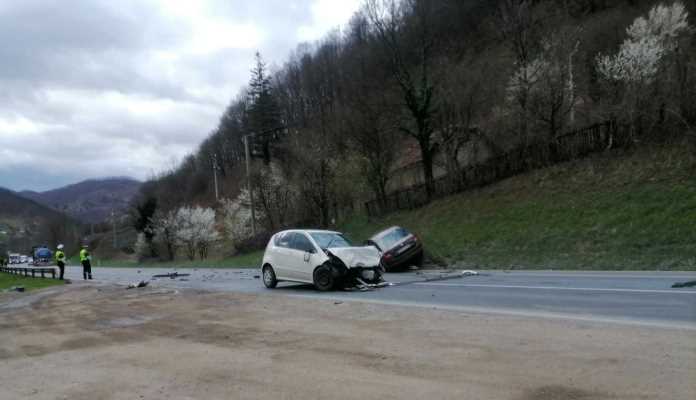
[558,288]
[511,312]
[605,275]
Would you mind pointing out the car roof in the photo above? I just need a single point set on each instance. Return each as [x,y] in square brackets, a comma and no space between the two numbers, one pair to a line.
[384,232]
[309,231]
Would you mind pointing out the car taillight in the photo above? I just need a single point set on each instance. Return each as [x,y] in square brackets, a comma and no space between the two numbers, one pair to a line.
[387,256]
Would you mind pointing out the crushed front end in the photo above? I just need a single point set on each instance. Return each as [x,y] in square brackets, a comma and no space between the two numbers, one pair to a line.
[357,267]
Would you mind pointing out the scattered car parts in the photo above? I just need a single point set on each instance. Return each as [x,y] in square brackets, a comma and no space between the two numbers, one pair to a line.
[140,284]
[171,275]
[684,284]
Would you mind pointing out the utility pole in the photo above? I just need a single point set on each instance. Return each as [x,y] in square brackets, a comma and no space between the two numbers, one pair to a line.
[215,169]
[571,83]
[251,191]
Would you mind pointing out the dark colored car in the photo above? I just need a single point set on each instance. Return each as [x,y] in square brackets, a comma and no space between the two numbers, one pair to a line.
[42,255]
[400,248]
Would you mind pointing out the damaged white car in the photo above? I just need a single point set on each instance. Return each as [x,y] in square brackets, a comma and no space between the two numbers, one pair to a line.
[325,259]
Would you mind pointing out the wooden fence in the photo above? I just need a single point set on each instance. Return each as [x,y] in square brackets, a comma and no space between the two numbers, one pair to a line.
[570,146]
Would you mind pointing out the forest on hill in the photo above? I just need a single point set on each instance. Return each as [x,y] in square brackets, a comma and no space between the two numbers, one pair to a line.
[25,223]
[414,90]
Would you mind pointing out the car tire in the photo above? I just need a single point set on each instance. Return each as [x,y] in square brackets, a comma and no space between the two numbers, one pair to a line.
[269,277]
[418,260]
[323,278]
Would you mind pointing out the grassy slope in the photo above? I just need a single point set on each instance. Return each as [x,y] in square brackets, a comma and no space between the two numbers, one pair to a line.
[7,281]
[615,211]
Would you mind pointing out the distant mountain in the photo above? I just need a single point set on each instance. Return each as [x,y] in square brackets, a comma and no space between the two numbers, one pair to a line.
[14,205]
[90,201]
[24,223]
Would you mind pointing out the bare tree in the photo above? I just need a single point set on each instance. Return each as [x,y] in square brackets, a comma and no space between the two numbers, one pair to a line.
[463,102]
[518,26]
[370,119]
[410,54]
[549,83]
[274,196]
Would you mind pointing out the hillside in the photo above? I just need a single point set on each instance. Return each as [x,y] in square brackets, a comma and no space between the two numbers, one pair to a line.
[90,201]
[632,210]
[24,223]
[403,96]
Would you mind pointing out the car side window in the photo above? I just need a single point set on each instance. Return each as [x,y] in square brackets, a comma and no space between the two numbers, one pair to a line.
[301,243]
[284,240]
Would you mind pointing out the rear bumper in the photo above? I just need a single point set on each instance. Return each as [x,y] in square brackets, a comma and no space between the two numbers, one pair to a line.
[402,260]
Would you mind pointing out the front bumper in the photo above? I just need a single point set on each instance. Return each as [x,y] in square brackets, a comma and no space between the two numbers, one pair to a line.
[365,274]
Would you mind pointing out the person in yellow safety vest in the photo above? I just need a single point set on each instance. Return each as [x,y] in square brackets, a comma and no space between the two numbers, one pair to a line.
[86,261]
[60,260]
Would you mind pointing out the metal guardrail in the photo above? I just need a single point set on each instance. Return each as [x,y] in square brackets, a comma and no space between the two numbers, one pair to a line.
[26,271]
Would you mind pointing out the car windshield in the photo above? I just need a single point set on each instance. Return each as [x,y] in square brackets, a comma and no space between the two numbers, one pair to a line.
[389,239]
[328,240]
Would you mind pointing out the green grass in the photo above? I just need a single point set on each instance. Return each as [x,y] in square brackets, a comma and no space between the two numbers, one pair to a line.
[8,281]
[618,211]
[249,260]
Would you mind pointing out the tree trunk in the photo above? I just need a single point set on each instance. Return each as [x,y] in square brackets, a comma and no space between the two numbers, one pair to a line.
[427,159]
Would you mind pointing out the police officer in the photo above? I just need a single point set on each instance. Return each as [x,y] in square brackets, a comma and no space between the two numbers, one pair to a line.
[86,261]
[60,260]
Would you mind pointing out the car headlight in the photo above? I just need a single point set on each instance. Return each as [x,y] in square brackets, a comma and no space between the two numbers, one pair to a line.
[368,274]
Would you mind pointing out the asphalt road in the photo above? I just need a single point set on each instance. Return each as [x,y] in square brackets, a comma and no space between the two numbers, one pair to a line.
[644,298]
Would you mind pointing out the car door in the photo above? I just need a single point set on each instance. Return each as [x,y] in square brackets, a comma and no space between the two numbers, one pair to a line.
[301,260]
[282,255]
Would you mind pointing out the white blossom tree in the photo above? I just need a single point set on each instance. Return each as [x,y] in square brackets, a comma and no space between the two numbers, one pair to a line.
[236,217]
[166,227]
[196,230]
[644,54]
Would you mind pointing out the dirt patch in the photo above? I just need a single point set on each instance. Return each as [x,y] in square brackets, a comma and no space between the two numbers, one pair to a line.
[108,343]
[560,393]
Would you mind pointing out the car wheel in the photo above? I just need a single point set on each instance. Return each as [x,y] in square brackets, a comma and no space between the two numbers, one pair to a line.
[418,260]
[323,278]
[269,277]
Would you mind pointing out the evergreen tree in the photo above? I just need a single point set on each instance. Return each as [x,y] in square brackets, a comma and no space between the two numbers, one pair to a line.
[264,113]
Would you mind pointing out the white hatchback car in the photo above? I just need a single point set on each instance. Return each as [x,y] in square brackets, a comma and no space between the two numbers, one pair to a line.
[325,259]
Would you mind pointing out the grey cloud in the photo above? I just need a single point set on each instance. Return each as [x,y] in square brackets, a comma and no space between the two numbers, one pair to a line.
[64,63]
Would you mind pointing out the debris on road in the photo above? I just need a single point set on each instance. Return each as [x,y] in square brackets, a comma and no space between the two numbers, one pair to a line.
[171,275]
[140,284]
[440,277]
[684,284]
[17,289]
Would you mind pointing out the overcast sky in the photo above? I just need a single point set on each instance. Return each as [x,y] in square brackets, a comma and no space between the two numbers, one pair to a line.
[96,88]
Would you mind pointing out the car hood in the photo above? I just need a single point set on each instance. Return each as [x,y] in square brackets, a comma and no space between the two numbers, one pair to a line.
[367,256]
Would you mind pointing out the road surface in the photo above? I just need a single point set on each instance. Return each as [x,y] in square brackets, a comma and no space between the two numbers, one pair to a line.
[627,297]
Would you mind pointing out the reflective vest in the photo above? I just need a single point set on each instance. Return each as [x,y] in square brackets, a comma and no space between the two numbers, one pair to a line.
[84,255]
[60,256]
